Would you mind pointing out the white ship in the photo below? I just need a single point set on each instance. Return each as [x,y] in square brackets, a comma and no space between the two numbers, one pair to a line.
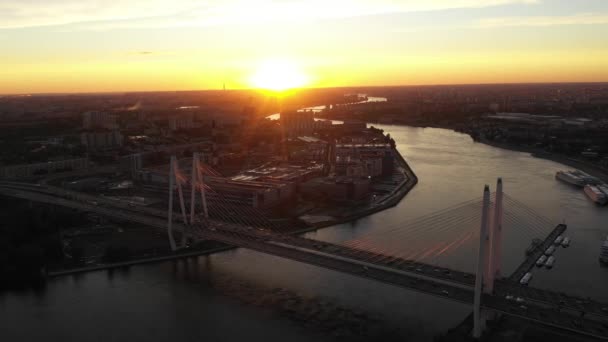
[595,194]
[570,178]
[566,242]
[587,178]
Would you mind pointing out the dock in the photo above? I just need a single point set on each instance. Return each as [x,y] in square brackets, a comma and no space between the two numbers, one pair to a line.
[530,260]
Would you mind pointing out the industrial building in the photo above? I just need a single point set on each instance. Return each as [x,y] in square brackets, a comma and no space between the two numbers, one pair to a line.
[340,189]
[262,189]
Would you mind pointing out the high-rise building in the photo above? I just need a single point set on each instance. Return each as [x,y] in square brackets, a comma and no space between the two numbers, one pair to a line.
[101,140]
[298,123]
[177,123]
[98,120]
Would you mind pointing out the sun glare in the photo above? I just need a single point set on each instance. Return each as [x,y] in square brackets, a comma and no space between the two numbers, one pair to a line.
[278,75]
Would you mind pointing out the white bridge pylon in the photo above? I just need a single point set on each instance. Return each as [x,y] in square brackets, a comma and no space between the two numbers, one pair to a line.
[489,260]
[176,178]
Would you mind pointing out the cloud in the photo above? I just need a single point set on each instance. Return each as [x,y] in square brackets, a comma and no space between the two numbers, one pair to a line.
[162,13]
[540,21]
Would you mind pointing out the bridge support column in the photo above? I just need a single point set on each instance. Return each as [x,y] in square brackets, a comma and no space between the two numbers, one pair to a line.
[197,180]
[174,179]
[182,205]
[203,194]
[478,318]
[170,209]
[193,181]
[497,233]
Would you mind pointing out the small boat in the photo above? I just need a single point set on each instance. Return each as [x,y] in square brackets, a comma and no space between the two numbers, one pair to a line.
[566,242]
[541,260]
[558,240]
[550,262]
[550,250]
[526,279]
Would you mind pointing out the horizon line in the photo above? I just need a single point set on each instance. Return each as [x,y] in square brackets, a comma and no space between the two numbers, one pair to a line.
[301,88]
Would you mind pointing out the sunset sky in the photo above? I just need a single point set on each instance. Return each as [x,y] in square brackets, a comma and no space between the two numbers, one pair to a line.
[88,45]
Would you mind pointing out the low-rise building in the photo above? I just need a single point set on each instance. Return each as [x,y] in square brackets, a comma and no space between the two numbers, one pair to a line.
[27,170]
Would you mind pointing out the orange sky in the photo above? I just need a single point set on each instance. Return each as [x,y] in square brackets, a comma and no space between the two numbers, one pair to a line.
[81,46]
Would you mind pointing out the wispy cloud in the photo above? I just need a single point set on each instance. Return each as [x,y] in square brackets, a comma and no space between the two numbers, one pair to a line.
[539,21]
[140,13]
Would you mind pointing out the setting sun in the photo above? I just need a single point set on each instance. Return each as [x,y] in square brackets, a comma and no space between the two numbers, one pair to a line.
[278,75]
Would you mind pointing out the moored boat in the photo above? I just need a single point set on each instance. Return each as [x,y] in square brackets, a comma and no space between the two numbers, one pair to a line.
[570,178]
[541,260]
[558,240]
[550,262]
[595,194]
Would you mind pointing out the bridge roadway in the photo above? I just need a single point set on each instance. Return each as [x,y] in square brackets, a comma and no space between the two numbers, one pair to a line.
[503,287]
[86,198]
[449,279]
[121,213]
[410,280]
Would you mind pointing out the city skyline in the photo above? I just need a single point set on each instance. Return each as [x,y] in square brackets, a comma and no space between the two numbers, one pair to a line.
[85,46]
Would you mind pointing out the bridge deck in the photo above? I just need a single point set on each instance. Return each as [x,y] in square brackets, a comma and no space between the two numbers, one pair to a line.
[532,311]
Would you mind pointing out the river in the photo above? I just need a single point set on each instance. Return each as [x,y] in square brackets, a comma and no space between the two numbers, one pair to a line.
[175,300]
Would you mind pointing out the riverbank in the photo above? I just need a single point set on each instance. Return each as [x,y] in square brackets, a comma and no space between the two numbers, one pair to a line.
[391,200]
[585,166]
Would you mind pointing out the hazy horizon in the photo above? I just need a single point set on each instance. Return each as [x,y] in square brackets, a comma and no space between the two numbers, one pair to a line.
[70,46]
[300,88]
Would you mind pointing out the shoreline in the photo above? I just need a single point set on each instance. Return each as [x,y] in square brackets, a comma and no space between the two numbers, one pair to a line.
[390,201]
[582,165]
[585,166]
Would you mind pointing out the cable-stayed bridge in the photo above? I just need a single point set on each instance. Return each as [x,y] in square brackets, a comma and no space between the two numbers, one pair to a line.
[455,253]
